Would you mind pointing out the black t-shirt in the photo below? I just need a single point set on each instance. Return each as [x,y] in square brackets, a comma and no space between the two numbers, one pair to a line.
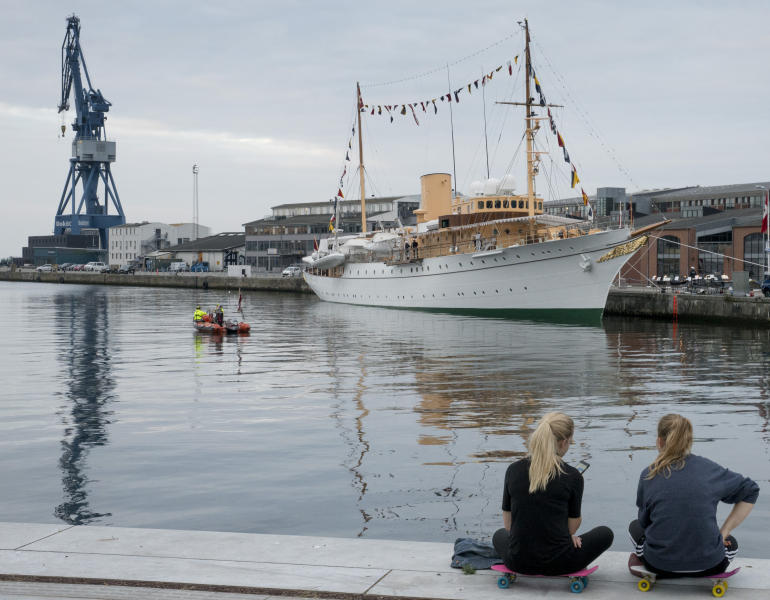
[539,532]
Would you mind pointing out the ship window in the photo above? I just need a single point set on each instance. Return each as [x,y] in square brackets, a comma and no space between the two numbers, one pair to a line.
[481,205]
[507,231]
[521,203]
[505,203]
[489,204]
[540,205]
[497,204]
[494,232]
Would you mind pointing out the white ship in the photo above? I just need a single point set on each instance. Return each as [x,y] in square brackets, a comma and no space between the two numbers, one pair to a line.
[495,252]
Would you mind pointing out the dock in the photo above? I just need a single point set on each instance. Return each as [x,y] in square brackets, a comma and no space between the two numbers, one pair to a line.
[63,561]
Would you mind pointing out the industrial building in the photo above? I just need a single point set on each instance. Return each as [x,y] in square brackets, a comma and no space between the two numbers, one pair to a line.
[131,242]
[282,239]
[216,252]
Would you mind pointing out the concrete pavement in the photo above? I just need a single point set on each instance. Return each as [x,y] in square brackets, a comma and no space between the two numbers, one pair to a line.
[60,561]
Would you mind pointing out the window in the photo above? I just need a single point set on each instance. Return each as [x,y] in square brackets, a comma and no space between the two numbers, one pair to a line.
[668,256]
[481,204]
[711,249]
[498,204]
[753,255]
[505,203]
[489,204]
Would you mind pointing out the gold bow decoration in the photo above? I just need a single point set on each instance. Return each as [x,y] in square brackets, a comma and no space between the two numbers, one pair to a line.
[623,249]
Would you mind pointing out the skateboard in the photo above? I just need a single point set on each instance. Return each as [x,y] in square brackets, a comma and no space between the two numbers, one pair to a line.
[578,581]
[647,578]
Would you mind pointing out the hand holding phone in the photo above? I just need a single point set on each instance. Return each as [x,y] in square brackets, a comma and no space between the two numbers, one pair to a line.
[582,466]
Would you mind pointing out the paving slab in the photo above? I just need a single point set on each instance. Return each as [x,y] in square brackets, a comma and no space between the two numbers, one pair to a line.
[16,535]
[381,554]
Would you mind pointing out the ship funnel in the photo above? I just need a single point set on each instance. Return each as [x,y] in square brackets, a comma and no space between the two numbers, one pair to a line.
[435,197]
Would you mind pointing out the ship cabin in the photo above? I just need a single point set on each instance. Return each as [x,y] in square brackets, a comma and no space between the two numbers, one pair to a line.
[448,224]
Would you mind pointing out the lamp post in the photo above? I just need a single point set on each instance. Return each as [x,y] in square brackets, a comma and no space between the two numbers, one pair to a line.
[195,200]
[766,229]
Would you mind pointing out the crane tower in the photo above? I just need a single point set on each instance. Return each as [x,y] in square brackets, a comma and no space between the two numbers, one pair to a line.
[92,153]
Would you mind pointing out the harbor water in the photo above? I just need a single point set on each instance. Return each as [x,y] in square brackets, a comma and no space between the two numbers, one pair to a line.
[335,420]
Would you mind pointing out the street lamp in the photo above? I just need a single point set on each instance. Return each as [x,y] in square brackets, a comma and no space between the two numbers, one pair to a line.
[765,230]
[195,200]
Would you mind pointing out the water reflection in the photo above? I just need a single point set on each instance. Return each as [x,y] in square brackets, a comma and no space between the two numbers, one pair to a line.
[82,331]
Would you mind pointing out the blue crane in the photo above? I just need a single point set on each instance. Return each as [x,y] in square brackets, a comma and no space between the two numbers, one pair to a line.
[92,153]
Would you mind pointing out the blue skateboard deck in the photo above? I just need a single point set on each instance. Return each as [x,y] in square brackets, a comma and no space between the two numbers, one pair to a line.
[577,580]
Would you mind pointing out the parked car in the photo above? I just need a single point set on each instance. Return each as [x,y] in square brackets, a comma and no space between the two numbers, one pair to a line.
[63,266]
[44,269]
[292,272]
[103,269]
[126,269]
[178,267]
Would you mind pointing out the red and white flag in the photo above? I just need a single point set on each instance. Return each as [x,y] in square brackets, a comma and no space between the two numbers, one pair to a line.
[765,214]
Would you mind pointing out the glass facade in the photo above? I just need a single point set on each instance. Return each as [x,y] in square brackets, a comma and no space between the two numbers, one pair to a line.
[668,256]
[753,245]
[711,252]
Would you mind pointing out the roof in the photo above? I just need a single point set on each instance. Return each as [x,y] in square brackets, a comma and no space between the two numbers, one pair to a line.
[723,220]
[220,241]
[698,192]
[299,220]
[353,200]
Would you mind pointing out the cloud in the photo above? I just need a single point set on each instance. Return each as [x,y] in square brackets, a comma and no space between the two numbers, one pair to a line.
[248,148]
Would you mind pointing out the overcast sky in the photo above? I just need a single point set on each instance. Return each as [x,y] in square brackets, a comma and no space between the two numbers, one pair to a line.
[261,96]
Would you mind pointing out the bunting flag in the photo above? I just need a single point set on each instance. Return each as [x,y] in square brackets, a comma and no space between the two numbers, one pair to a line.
[414,115]
[457,95]
[553,124]
[560,140]
[566,154]
[340,194]
[331,222]
[574,179]
[516,60]
[347,155]
[590,214]
[315,244]
[510,71]
[585,197]
[765,214]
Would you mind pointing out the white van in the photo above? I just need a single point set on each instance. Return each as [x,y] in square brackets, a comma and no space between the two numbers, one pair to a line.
[178,267]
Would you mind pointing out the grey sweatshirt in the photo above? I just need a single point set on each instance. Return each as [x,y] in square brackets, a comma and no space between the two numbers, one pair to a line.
[678,513]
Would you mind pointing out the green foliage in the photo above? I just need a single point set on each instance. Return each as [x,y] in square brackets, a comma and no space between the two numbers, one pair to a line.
[469,569]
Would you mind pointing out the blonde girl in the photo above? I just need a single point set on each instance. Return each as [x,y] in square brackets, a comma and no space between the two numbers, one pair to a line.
[542,499]
[676,533]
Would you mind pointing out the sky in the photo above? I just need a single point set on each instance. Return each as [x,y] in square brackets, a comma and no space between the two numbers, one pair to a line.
[261,95]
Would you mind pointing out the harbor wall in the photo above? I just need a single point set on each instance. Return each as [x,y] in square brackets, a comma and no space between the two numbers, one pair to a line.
[627,302]
[214,281]
[721,308]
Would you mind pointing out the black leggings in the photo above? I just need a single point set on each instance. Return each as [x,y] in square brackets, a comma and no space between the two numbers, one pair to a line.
[637,536]
[594,542]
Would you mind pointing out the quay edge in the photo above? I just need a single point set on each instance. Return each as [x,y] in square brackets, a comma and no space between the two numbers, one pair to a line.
[626,302]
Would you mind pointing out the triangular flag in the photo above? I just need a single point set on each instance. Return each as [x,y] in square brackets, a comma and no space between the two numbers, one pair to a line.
[498,68]
[560,140]
[510,68]
[339,194]
[585,197]
[516,60]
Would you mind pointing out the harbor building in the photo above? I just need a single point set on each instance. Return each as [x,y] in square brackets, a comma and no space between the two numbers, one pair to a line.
[131,242]
[213,253]
[716,244]
[61,248]
[290,232]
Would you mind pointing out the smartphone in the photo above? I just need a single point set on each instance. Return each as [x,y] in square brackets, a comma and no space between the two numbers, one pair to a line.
[582,466]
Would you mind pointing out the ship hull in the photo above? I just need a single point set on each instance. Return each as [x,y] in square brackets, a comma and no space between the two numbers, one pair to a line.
[555,275]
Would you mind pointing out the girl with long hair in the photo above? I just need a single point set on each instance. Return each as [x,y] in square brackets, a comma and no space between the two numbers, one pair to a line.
[542,498]
[676,533]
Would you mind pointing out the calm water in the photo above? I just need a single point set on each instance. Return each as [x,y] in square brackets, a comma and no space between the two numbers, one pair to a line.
[346,421]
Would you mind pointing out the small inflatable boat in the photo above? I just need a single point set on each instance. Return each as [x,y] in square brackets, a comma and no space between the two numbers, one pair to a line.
[209,327]
[237,327]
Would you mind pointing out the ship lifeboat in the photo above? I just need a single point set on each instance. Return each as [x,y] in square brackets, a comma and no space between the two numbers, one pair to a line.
[327,261]
[237,327]
[208,327]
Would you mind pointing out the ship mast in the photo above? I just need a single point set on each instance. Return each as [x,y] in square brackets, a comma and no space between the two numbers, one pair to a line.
[531,124]
[359,106]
